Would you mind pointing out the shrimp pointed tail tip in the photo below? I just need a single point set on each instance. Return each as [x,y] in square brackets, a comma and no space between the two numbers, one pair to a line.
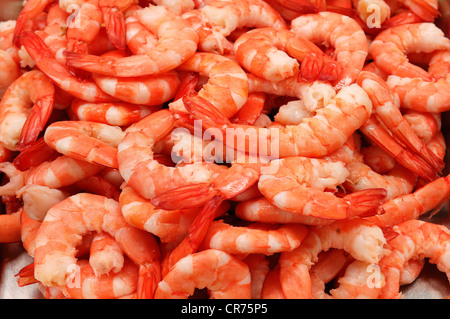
[365,203]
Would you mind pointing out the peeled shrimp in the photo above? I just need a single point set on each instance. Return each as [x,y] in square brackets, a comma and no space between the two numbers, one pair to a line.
[363,240]
[224,275]
[25,109]
[52,265]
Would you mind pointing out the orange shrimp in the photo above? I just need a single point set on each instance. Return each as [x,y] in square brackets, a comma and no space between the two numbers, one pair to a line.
[334,29]
[227,87]
[257,238]
[275,55]
[299,184]
[52,265]
[113,113]
[25,109]
[415,240]
[390,48]
[258,265]
[413,205]
[59,74]
[177,42]
[90,141]
[361,239]
[10,227]
[350,108]
[224,275]
[9,73]
[392,118]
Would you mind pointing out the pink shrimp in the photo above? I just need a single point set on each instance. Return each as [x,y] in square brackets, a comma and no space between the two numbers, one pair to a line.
[275,54]
[415,240]
[25,109]
[390,48]
[224,275]
[9,73]
[29,12]
[257,238]
[90,141]
[333,30]
[299,184]
[113,113]
[392,118]
[413,205]
[361,239]
[10,227]
[59,74]
[258,264]
[176,39]
[304,139]
[52,265]
[227,87]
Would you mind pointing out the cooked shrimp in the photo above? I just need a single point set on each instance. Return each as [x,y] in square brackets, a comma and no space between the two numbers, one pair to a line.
[258,265]
[16,179]
[272,286]
[275,55]
[262,210]
[105,255]
[177,42]
[25,109]
[227,87]
[90,141]
[415,240]
[62,171]
[398,181]
[366,8]
[45,61]
[224,275]
[30,11]
[377,159]
[253,239]
[340,118]
[9,73]
[390,48]
[84,27]
[168,225]
[146,90]
[428,10]
[152,179]
[334,30]
[413,205]
[10,227]
[392,118]
[83,283]
[38,199]
[113,113]
[218,19]
[299,185]
[28,231]
[52,264]
[362,240]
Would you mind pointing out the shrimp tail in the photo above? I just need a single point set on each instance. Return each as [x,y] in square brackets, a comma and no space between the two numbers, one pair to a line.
[323,68]
[203,110]
[183,197]
[147,282]
[20,27]
[35,47]
[424,10]
[26,276]
[93,63]
[189,81]
[36,122]
[115,27]
[366,202]
[196,233]
[35,154]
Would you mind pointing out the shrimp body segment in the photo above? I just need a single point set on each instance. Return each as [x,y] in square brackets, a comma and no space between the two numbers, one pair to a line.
[25,109]
[224,275]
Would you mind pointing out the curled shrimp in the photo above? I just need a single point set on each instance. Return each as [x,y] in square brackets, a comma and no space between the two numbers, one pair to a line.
[415,240]
[262,52]
[361,239]
[253,239]
[390,48]
[224,275]
[90,141]
[25,109]
[176,39]
[9,73]
[334,29]
[52,265]
[299,185]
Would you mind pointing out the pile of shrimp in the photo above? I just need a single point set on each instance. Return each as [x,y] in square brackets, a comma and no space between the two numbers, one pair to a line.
[224,149]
